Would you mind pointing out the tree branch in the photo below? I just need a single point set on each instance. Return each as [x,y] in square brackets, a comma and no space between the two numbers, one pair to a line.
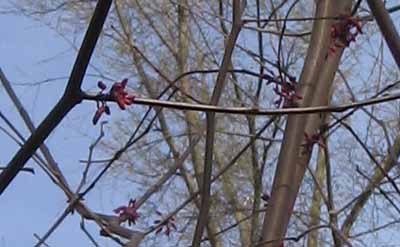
[211,122]
[72,96]
[387,27]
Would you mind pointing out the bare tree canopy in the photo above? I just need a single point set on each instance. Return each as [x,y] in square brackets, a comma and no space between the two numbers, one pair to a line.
[232,123]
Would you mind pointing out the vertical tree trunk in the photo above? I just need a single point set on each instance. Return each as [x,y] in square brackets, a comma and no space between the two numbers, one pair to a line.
[315,82]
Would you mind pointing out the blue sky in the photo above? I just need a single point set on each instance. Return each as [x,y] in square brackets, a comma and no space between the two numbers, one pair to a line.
[31,52]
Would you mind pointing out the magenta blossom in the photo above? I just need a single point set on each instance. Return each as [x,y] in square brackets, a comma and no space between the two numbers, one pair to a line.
[127,213]
[168,224]
[310,140]
[285,88]
[344,32]
[287,93]
[101,108]
[117,93]
[120,95]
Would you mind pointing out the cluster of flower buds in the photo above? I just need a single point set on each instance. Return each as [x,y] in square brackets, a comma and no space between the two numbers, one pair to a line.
[286,90]
[167,225]
[344,32]
[129,214]
[310,140]
[117,93]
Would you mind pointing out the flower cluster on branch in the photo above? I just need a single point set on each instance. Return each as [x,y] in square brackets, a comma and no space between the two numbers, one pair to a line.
[118,93]
[128,213]
[344,32]
[310,140]
[285,88]
[166,225]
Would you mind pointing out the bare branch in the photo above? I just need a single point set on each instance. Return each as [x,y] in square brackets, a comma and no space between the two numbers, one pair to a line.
[387,27]
[71,97]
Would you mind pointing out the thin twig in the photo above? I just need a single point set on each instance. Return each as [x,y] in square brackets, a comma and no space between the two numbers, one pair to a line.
[71,97]
[255,111]
[87,233]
